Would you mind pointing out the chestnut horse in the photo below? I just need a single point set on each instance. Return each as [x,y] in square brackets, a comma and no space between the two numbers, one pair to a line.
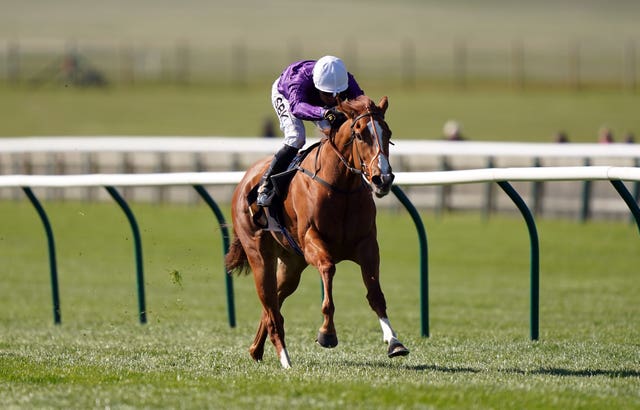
[330,213]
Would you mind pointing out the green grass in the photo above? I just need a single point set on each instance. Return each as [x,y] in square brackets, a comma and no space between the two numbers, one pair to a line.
[486,114]
[478,355]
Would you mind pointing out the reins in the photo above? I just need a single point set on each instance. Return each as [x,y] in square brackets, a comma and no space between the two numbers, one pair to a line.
[330,141]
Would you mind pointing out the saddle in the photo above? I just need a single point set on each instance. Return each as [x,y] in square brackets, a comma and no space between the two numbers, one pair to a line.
[271,218]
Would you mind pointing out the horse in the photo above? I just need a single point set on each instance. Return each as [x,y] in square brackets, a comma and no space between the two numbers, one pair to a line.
[330,214]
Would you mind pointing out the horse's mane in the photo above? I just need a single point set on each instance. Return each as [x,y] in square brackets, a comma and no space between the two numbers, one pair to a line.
[358,105]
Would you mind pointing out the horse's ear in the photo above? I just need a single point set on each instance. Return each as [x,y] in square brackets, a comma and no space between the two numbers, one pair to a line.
[383,104]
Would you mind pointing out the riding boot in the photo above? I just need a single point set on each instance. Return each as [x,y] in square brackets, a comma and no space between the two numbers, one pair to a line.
[280,162]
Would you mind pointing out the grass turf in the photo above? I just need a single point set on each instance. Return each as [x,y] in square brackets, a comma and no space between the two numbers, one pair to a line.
[478,355]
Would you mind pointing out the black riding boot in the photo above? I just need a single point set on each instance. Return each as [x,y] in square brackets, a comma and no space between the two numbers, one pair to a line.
[280,162]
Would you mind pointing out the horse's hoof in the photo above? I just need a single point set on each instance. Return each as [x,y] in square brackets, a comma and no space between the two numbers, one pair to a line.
[327,340]
[397,349]
[256,353]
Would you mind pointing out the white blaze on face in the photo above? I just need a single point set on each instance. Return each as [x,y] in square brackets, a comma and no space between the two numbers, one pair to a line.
[383,161]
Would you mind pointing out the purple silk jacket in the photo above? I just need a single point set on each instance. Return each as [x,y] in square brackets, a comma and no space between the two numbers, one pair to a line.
[296,84]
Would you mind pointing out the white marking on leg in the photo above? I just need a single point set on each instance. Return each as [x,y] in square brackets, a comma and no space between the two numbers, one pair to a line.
[284,359]
[387,330]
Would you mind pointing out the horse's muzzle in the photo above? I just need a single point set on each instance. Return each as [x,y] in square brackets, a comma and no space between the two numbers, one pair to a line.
[382,184]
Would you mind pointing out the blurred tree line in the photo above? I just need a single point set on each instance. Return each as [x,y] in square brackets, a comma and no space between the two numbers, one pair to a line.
[516,63]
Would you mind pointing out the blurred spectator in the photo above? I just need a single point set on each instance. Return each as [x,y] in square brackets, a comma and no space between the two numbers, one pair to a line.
[561,137]
[76,71]
[605,135]
[452,131]
[70,68]
[268,130]
[629,138]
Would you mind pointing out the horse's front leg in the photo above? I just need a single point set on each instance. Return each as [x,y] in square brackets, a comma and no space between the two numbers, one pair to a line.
[316,254]
[327,335]
[370,269]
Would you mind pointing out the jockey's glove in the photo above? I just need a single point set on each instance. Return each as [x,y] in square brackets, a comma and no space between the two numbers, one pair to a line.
[334,116]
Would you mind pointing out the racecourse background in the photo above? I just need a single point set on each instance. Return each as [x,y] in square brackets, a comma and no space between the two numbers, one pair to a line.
[583,200]
[571,44]
[187,356]
[406,48]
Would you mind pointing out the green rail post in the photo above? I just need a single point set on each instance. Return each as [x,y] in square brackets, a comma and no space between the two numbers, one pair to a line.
[424,261]
[628,199]
[537,191]
[137,243]
[535,257]
[488,199]
[445,190]
[52,254]
[585,211]
[636,184]
[225,249]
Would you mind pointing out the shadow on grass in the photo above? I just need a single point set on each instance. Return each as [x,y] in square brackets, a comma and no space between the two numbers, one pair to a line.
[613,373]
[416,368]
[433,368]
[619,373]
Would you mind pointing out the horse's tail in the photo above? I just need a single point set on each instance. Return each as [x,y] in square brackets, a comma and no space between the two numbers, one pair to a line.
[236,258]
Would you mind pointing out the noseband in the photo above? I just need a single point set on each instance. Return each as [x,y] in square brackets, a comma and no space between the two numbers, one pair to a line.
[376,137]
[358,136]
[351,168]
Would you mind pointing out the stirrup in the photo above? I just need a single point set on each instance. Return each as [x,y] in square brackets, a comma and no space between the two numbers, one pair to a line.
[265,198]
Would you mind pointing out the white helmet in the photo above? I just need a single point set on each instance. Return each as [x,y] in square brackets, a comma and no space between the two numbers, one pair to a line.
[330,75]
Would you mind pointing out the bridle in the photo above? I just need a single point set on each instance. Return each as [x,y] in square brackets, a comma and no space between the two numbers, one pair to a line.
[355,135]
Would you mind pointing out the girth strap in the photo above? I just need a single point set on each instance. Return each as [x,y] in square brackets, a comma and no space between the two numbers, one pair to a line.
[316,178]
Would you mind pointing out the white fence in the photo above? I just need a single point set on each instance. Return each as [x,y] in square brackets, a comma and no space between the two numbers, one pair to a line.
[200,179]
[129,155]
[470,176]
[268,145]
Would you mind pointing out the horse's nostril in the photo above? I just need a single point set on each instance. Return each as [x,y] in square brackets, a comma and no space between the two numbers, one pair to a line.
[383,179]
[388,178]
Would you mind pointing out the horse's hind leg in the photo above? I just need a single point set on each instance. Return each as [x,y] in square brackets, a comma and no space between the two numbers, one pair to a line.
[370,276]
[263,264]
[288,277]
[257,347]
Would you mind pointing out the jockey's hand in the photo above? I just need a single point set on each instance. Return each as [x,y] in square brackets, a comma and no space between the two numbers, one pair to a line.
[335,117]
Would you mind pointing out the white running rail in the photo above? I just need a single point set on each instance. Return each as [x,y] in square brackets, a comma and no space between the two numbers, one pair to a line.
[595,173]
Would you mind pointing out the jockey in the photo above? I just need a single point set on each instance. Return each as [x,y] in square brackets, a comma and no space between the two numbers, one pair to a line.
[306,91]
